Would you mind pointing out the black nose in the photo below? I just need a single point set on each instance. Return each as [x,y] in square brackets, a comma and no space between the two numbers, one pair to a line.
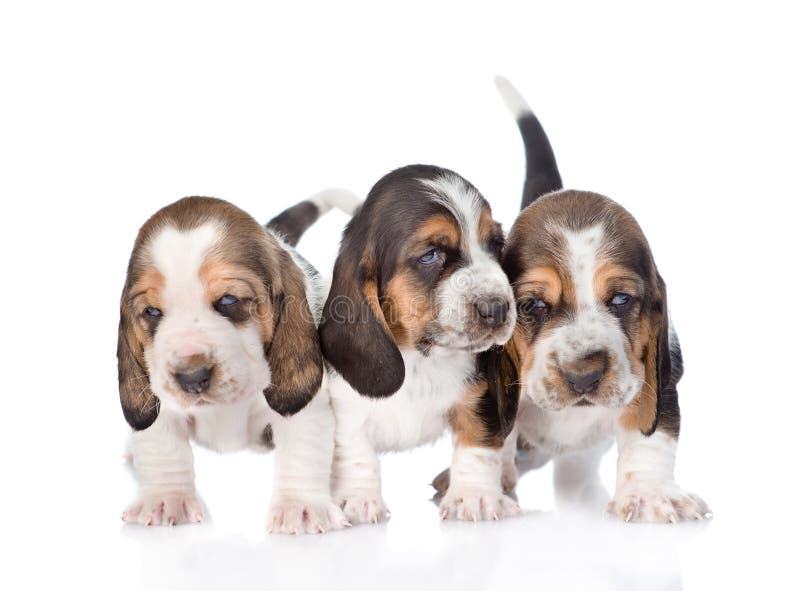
[195,382]
[584,383]
[492,312]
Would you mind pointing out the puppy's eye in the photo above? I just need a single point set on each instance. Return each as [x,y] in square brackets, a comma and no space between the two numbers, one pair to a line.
[535,308]
[228,306]
[228,300]
[430,257]
[620,303]
[152,313]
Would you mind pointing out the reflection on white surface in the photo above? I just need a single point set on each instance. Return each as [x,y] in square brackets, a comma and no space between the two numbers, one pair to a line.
[414,550]
[537,548]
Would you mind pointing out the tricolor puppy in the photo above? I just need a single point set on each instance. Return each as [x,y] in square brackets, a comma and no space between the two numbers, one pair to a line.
[596,354]
[417,295]
[218,344]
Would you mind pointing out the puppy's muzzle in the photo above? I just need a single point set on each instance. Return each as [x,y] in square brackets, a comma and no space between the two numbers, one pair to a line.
[584,376]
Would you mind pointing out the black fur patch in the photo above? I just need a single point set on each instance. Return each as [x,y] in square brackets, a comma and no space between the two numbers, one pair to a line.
[542,171]
[292,223]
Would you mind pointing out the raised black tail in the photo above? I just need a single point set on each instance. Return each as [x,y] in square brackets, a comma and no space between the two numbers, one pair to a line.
[292,223]
[542,174]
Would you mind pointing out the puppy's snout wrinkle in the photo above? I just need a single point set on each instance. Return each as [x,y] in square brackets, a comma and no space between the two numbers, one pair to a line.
[584,376]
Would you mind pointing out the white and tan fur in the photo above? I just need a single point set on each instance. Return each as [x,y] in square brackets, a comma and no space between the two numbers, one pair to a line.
[573,257]
[233,413]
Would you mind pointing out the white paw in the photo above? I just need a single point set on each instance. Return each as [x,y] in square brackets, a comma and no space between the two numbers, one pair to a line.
[657,502]
[361,508]
[479,505]
[166,509]
[300,516]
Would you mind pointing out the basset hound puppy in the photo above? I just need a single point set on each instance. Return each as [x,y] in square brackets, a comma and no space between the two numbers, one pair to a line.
[218,344]
[594,355]
[417,295]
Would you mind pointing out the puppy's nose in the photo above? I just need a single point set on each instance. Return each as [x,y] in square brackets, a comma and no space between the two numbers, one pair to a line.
[584,383]
[195,382]
[493,312]
[585,375]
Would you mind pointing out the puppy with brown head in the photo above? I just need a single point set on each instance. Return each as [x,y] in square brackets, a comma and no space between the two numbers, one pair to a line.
[595,353]
[218,343]
[417,295]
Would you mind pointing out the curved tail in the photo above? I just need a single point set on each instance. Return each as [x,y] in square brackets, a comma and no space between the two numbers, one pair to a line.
[542,174]
[292,223]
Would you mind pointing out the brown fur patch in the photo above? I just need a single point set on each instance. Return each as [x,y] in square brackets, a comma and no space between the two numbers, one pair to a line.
[488,228]
[543,282]
[469,430]
[407,309]
[610,278]
[642,411]
[439,230]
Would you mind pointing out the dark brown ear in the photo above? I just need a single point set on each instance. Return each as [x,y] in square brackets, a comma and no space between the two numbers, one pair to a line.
[293,352]
[500,366]
[354,335]
[656,406]
[139,405]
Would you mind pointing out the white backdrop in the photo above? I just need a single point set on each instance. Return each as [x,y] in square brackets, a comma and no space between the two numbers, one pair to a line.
[685,114]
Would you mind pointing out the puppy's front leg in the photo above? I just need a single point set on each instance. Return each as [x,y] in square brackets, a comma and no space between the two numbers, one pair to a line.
[164,466]
[646,487]
[475,489]
[301,497]
[357,473]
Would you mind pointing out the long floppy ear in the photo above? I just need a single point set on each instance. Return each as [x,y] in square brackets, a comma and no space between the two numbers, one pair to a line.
[657,402]
[293,352]
[139,405]
[354,335]
[500,365]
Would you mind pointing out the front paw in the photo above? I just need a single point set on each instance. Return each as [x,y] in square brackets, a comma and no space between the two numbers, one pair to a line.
[165,509]
[363,508]
[478,505]
[289,515]
[657,502]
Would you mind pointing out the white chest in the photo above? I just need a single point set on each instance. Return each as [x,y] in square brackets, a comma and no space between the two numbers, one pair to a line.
[418,412]
[567,430]
[231,427]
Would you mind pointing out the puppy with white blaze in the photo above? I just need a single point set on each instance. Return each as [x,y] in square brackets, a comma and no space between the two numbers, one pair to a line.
[595,354]
[218,344]
[417,297]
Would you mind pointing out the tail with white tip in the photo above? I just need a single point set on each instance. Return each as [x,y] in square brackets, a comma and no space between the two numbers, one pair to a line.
[292,223]
[542,174]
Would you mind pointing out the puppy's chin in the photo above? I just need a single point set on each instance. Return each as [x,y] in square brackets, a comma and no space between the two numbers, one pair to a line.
[179,401]
[553,399]
[473,342]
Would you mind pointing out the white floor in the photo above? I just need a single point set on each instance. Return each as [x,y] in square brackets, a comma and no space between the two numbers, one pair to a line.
[85,544]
